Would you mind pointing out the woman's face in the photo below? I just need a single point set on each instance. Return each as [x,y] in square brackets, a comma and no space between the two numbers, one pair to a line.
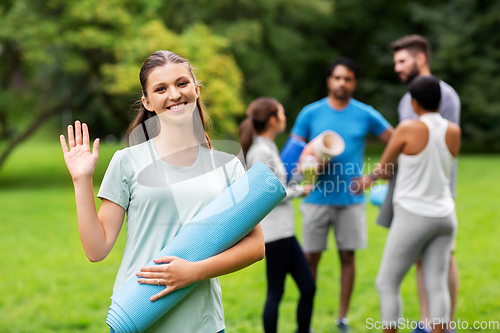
[281,119]
[171,93]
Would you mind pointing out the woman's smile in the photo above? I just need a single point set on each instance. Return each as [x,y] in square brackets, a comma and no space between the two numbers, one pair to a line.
[177,107]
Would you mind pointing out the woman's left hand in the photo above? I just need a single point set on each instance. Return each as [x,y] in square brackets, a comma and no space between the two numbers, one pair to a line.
[172,272]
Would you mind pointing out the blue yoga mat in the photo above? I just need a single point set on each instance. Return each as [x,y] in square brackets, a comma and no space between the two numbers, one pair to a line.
[378,194]
[290,155]
[217,227]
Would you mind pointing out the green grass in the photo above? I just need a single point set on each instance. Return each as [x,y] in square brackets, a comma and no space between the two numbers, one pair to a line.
[48,285]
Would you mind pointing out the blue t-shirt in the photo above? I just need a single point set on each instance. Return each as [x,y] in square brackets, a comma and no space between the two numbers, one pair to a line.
[353,123]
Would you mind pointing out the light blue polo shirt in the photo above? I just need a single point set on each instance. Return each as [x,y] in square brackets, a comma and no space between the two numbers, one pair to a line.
[353,124]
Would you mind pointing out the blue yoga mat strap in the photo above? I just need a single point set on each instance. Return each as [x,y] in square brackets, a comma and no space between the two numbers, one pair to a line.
[224,221]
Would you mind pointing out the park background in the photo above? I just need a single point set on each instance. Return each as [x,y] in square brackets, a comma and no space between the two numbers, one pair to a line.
[62,60]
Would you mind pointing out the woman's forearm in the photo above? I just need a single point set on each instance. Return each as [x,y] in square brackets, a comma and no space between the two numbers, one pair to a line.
[97,241]
[391,152]
[247,251]
[90,228]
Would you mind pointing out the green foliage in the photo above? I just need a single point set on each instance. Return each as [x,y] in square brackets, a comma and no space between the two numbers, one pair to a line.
[467,56]
[280,46]
[465,47]
[87,55]
[284,48]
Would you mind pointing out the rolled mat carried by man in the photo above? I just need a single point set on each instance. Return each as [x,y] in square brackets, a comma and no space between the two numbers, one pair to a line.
[217,227]
[322,148]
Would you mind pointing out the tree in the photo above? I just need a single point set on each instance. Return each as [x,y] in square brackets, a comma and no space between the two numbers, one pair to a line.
[465,47]
[467,56]
[86,55]
[281,46]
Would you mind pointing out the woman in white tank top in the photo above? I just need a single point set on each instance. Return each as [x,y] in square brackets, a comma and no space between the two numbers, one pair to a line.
[424,220]
[423,185]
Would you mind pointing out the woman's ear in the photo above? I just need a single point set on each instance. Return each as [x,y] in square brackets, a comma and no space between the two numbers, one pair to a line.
[272,122]
[197,89]
[416,106]
[146,104]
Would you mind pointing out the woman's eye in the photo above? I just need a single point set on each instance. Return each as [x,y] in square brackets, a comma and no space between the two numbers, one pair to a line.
[159,89]
[183,84]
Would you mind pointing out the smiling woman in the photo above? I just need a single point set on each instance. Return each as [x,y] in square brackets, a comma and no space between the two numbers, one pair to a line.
[167,82]
[161,182]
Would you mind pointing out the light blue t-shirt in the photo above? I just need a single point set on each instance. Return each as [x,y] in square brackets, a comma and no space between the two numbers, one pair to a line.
[160,199]
[353,124]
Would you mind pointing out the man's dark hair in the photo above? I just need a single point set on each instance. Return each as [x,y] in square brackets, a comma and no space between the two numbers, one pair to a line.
[426,91]
[344,61]
[413,44]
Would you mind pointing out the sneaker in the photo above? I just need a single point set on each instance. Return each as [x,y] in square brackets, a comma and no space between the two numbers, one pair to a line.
[421,329]
[343,325]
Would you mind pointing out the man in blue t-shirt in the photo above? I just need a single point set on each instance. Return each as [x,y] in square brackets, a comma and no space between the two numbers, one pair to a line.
[333,202]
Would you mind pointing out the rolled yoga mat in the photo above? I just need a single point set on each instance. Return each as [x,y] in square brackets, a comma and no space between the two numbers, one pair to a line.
[217,227]
[386,213]
[325,147]
[290,155]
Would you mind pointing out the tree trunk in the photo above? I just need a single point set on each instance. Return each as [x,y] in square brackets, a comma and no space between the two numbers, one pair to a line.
[35,125]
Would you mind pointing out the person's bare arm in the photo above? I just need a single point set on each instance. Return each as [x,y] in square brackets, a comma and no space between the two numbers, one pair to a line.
[453,138]
[98,231]
[364,182]
[395,146]
[385,136]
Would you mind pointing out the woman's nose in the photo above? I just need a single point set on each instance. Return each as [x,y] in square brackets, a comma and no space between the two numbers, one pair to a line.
[175,94]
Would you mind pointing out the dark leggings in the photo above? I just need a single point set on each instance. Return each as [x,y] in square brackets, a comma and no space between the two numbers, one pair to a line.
[285,256]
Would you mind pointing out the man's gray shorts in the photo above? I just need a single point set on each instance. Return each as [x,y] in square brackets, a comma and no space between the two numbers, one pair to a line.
[348,223]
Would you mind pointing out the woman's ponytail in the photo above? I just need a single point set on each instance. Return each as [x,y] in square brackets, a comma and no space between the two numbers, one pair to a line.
[247,132]
[259,112]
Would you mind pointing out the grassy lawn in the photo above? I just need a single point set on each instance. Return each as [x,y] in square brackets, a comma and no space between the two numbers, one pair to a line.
[48,285]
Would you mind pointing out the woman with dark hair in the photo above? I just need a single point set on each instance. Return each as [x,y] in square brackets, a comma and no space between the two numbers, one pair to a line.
[425,221]
[266,118]
[161,182]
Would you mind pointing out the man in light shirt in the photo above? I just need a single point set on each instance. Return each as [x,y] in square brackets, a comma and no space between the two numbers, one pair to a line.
[412,55]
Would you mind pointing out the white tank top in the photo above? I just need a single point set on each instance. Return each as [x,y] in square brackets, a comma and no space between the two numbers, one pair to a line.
[423,181]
